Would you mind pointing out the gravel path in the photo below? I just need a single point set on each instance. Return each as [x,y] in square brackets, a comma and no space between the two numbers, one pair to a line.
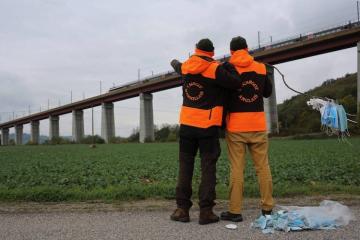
[144,223]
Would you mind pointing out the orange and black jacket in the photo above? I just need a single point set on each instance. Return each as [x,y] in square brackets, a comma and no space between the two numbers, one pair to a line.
[203,83]
[245,107]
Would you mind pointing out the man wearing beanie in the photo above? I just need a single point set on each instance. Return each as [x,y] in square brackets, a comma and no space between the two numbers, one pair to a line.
[246,128]
[200,119]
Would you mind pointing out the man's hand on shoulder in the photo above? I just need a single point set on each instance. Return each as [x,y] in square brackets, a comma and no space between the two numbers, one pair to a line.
[229,67]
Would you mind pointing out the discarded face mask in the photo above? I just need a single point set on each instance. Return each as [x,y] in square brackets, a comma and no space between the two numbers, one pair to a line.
[329,215]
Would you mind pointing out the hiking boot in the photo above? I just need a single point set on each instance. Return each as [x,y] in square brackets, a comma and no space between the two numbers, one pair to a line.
[265,212]
[228,216]
[180,215]
[207,216]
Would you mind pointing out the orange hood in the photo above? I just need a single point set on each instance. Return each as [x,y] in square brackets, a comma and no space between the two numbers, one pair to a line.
[241,58]
[195,65]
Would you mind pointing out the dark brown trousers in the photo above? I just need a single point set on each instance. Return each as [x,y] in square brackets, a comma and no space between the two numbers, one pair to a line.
[209,147]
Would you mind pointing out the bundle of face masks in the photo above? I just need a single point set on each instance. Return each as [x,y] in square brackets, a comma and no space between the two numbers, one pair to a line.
[334,119]
[328,215]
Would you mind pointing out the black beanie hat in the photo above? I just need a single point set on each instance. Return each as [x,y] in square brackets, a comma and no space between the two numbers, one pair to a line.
[238,43]
[205,45]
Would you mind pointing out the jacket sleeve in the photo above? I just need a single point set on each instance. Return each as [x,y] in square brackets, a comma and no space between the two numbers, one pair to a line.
[227,76]
[226,106]
[267,87]
[176,65]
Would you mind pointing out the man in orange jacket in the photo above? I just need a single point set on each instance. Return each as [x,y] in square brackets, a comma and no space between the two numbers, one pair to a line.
[200,119]
[246,128]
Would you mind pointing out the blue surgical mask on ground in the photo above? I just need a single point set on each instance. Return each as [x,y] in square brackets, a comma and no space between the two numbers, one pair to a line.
[328,215]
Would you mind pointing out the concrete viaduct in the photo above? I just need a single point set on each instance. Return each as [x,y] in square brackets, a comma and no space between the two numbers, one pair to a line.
[302,46]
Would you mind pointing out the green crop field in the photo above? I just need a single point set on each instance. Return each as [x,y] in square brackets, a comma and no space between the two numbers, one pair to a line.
[138,171]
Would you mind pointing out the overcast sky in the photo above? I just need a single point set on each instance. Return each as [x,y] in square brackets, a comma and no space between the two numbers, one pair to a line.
[49,48]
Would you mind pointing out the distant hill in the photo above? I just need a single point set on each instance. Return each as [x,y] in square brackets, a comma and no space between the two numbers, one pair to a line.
[295,117]
[26,137]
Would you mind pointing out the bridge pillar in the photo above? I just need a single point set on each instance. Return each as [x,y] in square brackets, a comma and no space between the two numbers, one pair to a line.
[53,127]
[4,136]
[107,122]
[35,132]
[358,83]
[270,105]
[146,118]
[77,125]
[19,134]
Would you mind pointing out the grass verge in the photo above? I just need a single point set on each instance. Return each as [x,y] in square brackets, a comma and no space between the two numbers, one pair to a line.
[160,191]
